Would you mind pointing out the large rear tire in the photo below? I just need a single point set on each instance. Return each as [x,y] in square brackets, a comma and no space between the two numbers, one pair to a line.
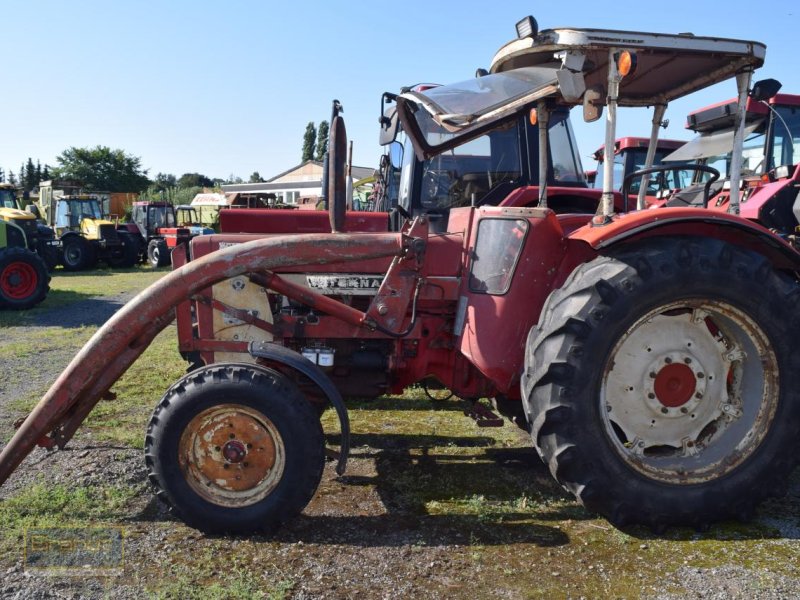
[129,254]
[24,280]
[235,448]
[661,385]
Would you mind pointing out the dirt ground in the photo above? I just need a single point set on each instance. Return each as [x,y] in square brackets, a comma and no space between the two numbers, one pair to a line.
[430,507]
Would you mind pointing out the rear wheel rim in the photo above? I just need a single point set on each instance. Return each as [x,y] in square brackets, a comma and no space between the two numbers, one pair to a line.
[689,391]
[232,455]
[19,280]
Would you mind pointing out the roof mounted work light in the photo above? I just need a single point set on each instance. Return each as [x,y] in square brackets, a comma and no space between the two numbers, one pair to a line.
[527,27]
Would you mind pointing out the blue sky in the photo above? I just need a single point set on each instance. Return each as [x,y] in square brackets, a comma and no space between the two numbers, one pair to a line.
[228,87]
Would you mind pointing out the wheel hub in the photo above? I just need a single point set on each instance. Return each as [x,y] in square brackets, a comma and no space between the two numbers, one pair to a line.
[234,451]
[675,385]
[232,455]
[672,386]
[660,392]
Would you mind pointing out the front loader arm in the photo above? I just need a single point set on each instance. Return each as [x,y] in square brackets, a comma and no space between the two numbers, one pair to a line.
[124,337]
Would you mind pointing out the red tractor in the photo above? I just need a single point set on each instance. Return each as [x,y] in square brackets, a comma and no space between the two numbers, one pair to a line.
[630,154]
[770,158]
[648,353]
[156,227]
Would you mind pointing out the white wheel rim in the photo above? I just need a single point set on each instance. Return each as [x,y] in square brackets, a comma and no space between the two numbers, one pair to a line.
[689,391]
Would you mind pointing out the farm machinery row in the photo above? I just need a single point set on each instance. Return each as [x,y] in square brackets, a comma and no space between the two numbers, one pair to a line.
[647,352]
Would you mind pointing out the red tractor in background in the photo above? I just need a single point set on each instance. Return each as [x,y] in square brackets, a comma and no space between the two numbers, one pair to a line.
[630,154]
[648,353]
[155,226]
[770,158]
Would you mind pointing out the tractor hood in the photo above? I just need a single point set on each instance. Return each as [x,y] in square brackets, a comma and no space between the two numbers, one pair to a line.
[16,214]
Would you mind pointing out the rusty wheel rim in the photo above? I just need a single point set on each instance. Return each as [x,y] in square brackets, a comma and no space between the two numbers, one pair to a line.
[232,455]
[689,391]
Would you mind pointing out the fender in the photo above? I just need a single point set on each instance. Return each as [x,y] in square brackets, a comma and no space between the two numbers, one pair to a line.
[126,335]
[287,357]
[690,221]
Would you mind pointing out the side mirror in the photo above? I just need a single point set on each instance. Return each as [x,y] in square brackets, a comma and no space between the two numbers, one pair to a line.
[765,89]
[388,120]
[592,106]
[396,154]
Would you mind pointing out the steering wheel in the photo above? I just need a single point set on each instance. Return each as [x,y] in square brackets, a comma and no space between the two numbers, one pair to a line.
[337,155]
[626,183]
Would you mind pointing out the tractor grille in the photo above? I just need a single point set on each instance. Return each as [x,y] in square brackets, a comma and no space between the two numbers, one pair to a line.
[108,233]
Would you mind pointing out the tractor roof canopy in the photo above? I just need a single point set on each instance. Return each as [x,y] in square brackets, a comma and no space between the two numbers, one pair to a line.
[560,65]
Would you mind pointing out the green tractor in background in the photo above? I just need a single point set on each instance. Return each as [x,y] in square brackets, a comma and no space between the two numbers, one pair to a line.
[24,278]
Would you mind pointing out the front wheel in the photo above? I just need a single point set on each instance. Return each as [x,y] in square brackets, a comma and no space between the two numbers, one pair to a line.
[235,448]
[157,253]
[660,383]
[78,254]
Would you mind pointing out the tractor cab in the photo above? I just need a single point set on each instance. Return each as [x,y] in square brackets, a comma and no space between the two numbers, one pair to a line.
[630,155]
[78,213]
[186,216]
[532,83]
[454,171]
[770,157]
[149,217]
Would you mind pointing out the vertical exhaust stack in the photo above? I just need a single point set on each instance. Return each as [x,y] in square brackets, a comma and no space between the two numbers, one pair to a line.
[337,151]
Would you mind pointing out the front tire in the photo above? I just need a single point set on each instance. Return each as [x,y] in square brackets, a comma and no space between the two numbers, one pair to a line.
[78,254]
[157,253]
[661,389]
[235,449]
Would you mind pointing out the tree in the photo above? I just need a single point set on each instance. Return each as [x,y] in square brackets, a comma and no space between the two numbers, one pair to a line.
[309,138]
[101,168]
[164,181]
[12,179]
[30,176]
[188,180]
[2,176]
[234,179]
[45,173]
[256,178]
[322,140]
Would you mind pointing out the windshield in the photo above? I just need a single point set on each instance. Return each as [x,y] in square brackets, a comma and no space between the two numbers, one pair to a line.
[785,137]
[484,170]
[79,209]
[187,216]
[7,199]
[451,111]
[161,216]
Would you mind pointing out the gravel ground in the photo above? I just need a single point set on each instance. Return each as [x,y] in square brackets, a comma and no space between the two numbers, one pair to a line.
[356,539]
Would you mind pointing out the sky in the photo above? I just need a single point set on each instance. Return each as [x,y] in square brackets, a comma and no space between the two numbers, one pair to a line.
[227,88]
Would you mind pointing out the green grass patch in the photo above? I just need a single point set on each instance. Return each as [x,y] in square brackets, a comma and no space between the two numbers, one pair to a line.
[43,340]
[123,419]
